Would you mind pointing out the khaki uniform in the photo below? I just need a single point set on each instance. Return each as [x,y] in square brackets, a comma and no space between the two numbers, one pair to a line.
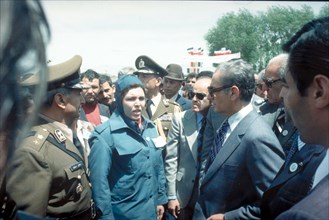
[163,115]
[49,177]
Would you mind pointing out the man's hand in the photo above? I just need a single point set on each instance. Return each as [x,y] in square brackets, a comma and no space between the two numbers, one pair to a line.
[216,217]
[160,211]
[174,207]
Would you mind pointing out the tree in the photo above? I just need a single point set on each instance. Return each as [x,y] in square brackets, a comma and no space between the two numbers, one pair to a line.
[324,12]
[258,37]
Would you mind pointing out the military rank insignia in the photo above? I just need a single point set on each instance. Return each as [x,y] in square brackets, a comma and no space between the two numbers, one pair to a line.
[141,63]
[60,137]
[166,117]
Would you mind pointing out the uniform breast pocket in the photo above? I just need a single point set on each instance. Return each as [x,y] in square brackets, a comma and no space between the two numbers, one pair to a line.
[73,187]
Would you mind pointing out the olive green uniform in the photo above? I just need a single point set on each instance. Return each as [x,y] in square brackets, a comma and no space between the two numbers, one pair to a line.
[164,115]
[48,175]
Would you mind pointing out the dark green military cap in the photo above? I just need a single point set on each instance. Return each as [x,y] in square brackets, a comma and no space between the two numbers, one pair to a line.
[62,75]
[145,65]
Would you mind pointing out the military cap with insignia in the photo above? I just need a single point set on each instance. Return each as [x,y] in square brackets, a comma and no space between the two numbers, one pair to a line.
[145,65]
[175,72]
[63,75]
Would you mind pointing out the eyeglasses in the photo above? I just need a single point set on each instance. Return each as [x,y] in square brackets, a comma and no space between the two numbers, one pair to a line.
[269,81]
[259,86]
[199,96]
[212,90]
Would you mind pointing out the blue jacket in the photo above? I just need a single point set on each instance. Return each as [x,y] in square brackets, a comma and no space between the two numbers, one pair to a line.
[126,170]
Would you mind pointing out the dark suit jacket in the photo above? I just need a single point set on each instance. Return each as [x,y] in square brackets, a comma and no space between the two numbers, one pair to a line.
[103,110]
[214,120]
[315,206]
[186,104]
[270,112]
[242,170]
[288,187]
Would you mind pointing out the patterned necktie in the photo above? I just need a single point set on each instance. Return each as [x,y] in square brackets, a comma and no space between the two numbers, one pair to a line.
[200,141]
[219,140]
[279,123]
[148,108]
[293,149]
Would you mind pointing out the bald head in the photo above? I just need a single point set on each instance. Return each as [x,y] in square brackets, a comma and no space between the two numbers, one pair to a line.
[275,67]
[274,73]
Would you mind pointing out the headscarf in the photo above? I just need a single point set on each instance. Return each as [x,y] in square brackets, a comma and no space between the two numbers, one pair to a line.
[121,84]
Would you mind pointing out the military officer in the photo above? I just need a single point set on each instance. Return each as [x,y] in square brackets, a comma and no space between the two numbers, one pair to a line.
[48,175]
[158,108]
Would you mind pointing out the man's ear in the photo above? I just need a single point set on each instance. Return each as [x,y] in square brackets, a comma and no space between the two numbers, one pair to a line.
[234,92]
[321,91]
[159,81]
[60,100]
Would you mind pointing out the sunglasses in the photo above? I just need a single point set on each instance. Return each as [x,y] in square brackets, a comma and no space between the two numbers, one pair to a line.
[269,81]
[212,90]
[199,96]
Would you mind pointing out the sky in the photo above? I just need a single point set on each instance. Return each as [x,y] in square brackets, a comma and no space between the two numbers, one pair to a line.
[110,35]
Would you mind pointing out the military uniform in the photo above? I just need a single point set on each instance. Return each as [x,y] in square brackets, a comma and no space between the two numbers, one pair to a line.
[163,115]
[55,175]
[48,174]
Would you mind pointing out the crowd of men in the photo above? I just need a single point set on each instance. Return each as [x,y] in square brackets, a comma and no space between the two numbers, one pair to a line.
[236,146]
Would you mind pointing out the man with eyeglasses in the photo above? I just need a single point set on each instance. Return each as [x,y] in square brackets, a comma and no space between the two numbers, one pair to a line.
[184,147]
[245,156]
[273,111]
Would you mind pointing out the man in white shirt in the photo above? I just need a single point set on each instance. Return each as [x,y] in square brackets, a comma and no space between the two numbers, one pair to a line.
[245,156]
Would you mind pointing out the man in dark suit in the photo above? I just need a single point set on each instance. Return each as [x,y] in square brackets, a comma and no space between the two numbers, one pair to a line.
[172,83]
[246,154]
[272,111]
[92,111]
[306,98]
[294,180]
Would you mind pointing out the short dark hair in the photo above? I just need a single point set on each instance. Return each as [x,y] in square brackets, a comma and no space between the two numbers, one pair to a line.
[90,74]
[309,53]
[191,75]
[205,73]
[241,74]
[105,78]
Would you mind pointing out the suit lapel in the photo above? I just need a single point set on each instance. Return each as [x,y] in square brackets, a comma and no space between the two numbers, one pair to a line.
[190,131]
[230,145]
[161,109]
[302,158]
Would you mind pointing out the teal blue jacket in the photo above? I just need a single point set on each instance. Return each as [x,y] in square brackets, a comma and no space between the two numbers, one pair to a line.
[126,170]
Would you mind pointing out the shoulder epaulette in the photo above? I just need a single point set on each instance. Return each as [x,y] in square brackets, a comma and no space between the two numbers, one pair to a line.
[36,138]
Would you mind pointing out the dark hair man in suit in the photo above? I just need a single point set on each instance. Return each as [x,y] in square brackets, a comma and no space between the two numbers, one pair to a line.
[306,98]
[245,156]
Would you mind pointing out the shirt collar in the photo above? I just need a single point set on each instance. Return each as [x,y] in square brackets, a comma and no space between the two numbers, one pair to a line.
[235,119]
[157,99]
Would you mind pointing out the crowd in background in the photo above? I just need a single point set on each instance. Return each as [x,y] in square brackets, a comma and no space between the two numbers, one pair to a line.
[159,143]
